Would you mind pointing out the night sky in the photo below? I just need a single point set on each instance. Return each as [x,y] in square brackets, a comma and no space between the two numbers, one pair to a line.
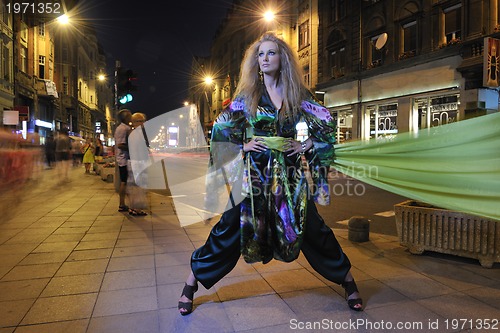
[157,40]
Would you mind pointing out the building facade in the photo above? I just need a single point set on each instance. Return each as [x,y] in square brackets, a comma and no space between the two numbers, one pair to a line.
[404,66]
[6,56]
[381,67]
[49,74]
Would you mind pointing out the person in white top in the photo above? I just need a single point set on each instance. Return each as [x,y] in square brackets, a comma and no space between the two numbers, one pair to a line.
[122,155]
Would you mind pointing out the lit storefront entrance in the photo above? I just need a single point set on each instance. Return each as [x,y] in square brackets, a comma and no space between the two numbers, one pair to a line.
[434,111]
[383,120]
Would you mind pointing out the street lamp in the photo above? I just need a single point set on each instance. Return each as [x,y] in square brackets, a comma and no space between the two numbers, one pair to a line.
[208,80]
[63,19]
[269,16]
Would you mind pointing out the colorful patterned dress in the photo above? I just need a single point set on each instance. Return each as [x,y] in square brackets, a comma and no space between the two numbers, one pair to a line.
[273,212]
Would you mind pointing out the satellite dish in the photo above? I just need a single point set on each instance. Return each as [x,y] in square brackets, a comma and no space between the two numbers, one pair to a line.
[381,40]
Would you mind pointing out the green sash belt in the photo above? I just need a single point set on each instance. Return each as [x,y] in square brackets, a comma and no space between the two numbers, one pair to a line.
[274,142]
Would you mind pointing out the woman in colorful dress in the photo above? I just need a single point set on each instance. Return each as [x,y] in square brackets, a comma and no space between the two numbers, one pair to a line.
[277,217]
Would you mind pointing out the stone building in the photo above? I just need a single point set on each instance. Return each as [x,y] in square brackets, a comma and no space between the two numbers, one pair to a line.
[381,67]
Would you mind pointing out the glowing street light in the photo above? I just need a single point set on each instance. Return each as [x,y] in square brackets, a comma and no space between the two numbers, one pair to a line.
[269,16]
[208,80]
[63,19]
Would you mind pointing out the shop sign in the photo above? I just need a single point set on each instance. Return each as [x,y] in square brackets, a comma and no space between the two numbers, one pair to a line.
[444,107]
[387,117]
[442,114]
[11,117]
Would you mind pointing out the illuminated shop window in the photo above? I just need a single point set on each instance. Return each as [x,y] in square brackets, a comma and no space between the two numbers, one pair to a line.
[344,125]
[437,110]
[383,119]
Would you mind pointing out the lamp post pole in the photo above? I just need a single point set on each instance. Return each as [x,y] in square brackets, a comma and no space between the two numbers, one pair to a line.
[359,110]
[117,105]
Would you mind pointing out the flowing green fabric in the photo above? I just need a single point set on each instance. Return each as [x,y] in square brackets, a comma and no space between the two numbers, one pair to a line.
[455,166]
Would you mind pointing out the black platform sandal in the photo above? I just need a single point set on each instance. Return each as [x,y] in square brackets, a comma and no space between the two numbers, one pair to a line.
[350,287]
[188,291]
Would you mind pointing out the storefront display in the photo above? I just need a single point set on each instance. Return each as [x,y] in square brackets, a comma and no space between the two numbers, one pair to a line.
[437,110]
[344,124]
[383,119]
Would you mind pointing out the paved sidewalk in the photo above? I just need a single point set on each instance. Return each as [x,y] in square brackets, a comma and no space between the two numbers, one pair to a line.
[71,263]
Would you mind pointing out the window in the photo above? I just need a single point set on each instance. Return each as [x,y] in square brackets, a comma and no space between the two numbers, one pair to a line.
[307,83]
[65,85]
[24,58]
[337,10]
[437,111]
[336,46]
[383,119]
[337,61]
[453,23]
[304,34]
[6,63]
[41,28]
[5,14]
[409,32]
[41,67]
[65,55]
[376,55]
[24,33]
[498,12]
[344,125]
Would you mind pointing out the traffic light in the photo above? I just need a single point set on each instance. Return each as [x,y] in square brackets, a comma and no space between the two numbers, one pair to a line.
[125,85]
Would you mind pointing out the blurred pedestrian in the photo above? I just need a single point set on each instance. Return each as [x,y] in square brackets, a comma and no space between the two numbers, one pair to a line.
[136,179]
[63,155]
[50,151]
[88,155]
[99,150]
[122,155]
[76,152]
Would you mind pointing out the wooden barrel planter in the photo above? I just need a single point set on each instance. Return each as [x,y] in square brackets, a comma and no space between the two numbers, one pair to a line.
[422,227]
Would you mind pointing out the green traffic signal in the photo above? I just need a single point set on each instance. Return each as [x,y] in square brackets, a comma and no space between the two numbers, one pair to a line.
[125,84]
[126,98]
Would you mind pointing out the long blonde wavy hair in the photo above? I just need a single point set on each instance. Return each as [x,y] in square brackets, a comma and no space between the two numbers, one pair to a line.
[250,85]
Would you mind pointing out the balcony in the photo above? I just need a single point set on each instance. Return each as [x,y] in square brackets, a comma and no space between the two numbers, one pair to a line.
[406,55]
[453,41]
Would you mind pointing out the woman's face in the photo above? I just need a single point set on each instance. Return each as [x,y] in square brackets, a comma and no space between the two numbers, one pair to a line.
[269,59]
[136,122]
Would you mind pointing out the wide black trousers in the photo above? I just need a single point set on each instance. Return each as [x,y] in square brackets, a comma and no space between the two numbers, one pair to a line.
[218,256]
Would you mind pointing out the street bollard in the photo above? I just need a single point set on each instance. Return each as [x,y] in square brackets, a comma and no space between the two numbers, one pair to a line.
[359,229]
